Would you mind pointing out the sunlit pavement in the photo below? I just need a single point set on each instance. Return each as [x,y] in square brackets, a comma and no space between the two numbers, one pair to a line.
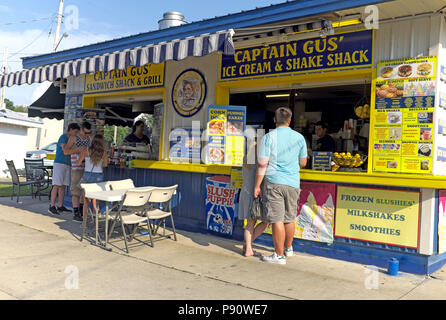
[42,258]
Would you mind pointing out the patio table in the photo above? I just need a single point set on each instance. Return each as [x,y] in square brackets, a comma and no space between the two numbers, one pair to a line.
[108,197]
[47,168]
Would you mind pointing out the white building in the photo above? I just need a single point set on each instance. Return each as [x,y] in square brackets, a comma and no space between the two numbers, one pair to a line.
[50,132]
[13,138]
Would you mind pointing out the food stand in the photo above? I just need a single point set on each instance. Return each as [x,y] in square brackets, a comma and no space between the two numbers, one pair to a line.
[381,195]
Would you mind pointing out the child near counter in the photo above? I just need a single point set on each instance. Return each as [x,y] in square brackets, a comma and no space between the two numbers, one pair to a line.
[96,159]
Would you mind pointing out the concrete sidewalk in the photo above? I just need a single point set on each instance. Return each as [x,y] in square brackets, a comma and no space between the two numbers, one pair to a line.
[41,257]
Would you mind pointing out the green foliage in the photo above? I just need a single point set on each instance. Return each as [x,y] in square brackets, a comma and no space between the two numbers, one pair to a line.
[20,109]
[6,189]
[10,105]
[122,132]
[148,119]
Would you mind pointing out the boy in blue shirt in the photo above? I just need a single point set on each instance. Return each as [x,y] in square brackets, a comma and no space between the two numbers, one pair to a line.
[62,171]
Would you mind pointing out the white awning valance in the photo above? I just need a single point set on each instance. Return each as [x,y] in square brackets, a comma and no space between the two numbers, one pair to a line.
[155,53]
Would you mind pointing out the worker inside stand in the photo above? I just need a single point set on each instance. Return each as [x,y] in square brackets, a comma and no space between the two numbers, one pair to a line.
[137,135]
[324,142]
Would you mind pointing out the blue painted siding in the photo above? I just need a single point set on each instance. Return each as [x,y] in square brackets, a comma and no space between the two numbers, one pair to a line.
[189,215]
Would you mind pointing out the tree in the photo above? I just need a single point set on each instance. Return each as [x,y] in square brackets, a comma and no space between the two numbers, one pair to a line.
[109,133]
[122,132]
[10,105]
[20,109]
[147,118]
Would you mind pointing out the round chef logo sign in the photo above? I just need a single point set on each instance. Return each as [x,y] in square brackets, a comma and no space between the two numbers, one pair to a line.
[189,93]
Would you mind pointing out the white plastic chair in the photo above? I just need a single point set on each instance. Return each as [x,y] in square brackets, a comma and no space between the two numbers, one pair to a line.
[133,205]
[160,209]
[93,187]
[122,184]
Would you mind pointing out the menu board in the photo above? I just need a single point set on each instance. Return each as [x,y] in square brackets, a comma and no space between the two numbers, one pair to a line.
[322,161]
[441,221]
[96,117]
[185,145]
[226,142]
[73,102]
[74,113]
[440,119]
[404,116]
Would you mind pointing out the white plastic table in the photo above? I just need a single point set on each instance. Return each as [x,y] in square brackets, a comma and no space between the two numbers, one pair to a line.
[109,197]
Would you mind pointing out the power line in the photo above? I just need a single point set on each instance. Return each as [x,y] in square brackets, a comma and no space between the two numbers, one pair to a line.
[32,42]
[26,21]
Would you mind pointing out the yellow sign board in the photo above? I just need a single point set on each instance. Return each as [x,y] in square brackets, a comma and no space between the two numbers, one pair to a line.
[378,215]
[147,76]
[236,178]
[403,128]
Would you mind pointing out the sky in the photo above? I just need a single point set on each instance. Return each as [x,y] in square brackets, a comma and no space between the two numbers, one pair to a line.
[27,27]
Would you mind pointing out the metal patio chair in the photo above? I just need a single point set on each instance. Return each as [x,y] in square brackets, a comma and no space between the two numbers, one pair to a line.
[16,180]
[34,171]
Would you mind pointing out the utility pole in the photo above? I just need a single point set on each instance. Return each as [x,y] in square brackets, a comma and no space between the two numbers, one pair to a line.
[59,22]
[2,97]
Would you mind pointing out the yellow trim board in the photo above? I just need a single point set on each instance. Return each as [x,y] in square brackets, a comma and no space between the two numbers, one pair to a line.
[141,92]
[385,179]
[332,75]
[185,167]
[88,100]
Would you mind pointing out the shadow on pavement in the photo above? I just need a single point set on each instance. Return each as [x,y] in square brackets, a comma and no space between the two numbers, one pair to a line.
[65,222]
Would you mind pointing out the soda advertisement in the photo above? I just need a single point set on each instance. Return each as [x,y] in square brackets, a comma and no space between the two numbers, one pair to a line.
[221,208]
[315,216]
[403,132]
[226,142]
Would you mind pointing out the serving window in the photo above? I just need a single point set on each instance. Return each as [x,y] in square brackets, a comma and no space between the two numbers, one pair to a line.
[334,121]
[122,111]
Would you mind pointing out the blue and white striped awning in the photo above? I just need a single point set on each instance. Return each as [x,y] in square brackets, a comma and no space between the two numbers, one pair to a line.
[155,53]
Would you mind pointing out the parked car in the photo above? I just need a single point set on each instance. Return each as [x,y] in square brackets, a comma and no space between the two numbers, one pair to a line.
[42,153]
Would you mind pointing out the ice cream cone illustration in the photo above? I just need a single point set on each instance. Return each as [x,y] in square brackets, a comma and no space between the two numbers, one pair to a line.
[315,222]
[442,228]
